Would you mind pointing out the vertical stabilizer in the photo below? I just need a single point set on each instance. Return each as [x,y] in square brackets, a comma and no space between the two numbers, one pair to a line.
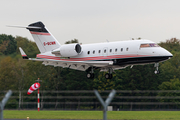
[43,38]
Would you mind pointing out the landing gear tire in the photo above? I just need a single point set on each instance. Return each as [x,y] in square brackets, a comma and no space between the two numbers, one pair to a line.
[156,72]
[90,75]
[108,76]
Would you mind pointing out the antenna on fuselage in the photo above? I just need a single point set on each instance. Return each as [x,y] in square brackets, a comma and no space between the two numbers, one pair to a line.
[107,40]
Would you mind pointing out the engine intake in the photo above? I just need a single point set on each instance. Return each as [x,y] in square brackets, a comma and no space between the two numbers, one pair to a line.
[70,50]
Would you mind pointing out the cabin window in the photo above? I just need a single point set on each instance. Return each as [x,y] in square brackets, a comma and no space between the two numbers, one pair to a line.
[93,51]
[127,49]
[99,51]
[116,50]
[110,50]
[104,51]
[88,52]
[121,49]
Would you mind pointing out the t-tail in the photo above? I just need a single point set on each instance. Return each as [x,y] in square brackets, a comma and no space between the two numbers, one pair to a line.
[43,38]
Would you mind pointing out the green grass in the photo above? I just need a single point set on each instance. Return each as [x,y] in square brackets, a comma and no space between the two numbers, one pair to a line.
[142,115]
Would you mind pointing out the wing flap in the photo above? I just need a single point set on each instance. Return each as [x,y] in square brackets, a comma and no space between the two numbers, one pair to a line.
[91,63]
[78,65]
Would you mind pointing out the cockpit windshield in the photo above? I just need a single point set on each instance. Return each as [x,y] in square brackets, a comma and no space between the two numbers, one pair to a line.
[149,45]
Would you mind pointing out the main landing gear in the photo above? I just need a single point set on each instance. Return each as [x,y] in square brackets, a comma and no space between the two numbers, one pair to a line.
[90,74]
[109,75]
[156,65]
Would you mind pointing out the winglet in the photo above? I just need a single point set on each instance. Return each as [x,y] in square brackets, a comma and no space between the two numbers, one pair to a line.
[24,56]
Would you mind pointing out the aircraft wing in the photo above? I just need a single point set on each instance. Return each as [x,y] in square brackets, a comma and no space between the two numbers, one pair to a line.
[78,65]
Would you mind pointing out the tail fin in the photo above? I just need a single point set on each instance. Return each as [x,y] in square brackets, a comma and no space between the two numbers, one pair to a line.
[43,38]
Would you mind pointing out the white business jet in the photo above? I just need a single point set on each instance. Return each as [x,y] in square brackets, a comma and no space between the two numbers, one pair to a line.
[107,56]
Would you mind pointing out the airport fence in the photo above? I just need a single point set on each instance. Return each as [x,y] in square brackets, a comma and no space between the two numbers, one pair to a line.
[86,100]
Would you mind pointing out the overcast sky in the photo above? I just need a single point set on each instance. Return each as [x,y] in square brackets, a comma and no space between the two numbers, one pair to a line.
[92,21]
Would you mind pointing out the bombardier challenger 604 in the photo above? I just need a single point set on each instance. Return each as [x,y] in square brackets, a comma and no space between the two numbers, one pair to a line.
[108,56]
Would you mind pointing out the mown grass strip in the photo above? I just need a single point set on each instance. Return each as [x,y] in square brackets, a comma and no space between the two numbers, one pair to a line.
[144,115]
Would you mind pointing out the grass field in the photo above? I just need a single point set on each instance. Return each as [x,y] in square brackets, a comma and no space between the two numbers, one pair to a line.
[142,115]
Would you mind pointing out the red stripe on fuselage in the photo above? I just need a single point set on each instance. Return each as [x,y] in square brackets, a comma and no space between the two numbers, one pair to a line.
[40,33]
[91,58]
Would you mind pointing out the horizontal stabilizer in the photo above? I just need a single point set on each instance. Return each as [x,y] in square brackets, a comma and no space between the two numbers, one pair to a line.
[28,27]
[24,56]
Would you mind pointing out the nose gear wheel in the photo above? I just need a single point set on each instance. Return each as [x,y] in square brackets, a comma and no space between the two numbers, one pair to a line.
[156,71]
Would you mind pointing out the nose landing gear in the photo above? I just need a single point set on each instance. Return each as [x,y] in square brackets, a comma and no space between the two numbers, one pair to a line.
[156,71]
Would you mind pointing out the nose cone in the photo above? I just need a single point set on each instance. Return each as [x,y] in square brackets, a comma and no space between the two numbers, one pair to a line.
[164,52]
[171,55]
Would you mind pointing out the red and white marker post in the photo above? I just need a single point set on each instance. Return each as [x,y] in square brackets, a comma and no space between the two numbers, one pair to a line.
[33,87]
[38,100]
[38,96]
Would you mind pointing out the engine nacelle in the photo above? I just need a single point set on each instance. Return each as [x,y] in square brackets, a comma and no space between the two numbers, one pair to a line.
[70,50]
